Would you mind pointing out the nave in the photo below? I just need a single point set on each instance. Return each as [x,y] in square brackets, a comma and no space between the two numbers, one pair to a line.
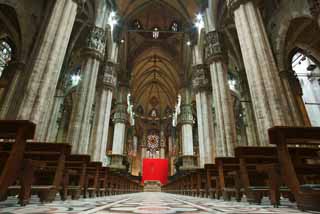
[146,203]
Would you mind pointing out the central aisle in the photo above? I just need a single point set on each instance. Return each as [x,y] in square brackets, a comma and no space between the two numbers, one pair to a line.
[159,203]
[143,203]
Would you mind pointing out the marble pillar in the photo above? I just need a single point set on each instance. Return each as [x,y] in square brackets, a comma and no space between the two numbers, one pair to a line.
[45,70]
[105,86]
[248,113]
[186,121]
[56,114]
[201,85]
[120,118]
[79,127]
[215,56]
[263,77]
[294,93]
[14,79]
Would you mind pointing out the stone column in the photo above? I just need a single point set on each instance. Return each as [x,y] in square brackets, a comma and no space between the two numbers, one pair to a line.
[106,84]
[262,73]
[294,94]
[315,9]
[56,114]
[200,83]
[215,55]
[186,121]
[79,128]
[15,72]
[119,119]
[248,113]
[45,69]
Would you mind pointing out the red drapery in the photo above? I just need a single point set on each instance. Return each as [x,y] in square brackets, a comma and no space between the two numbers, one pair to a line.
[155,169]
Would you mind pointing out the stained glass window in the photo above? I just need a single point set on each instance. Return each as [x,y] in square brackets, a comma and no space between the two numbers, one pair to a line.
[5,55]
[153,143]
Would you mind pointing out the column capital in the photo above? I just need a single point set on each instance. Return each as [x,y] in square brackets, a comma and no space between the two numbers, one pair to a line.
[214,47]
[107,76]
[95,44]
[314,6]
[186,116]
[120,115]
[200,78]
[234,4]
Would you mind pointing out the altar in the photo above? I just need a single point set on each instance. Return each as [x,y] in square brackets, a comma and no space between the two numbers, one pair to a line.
[155,170]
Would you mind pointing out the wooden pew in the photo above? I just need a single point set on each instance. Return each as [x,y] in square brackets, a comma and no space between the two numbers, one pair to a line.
[12,162]
[74,176]
[46,179]
[229,178]
[212,180]
[259,170]
[92,179]
[201,183]
[307,196]
[102,181]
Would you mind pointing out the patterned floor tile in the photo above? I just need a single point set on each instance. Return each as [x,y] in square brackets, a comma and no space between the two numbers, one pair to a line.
[145,203]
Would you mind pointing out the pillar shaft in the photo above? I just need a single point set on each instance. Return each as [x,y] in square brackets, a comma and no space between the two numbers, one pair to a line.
[186,120]
[262,73]
[79,128]
[46,67]
[120,118]
[201,84]
[100,129]
[215,55]
[15,78]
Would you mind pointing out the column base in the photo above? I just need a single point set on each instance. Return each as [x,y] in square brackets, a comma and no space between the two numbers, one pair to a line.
[188,162]
[116,162]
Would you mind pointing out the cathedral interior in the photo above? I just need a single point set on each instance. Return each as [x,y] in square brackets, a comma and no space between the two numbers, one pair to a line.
[191,106]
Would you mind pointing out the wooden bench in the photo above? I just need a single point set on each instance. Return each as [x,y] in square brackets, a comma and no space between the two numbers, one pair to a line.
[229,178]
[92,179]
[102,181]
[12,162]
[307,196]
[74,176]
[44,179]
[212,180]
[260,176]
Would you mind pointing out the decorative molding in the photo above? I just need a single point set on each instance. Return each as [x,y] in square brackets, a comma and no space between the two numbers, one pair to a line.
[214,48]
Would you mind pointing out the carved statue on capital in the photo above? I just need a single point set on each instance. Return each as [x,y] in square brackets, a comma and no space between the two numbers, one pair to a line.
[200,77]
[120,115]
[186,116]
[96,42]
[108,77]
[214,48]
[314,7]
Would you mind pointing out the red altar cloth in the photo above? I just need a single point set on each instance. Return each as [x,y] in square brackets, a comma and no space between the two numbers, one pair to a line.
[155,169]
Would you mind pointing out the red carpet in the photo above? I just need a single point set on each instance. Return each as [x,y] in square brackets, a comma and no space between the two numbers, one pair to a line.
[155,169]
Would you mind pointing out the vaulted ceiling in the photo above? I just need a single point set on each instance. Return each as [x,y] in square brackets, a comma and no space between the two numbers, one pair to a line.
[157,66]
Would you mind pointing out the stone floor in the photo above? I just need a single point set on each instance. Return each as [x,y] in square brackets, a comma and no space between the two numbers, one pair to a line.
[144,203]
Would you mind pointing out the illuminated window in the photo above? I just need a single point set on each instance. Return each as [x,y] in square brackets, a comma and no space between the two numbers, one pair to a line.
[5,55]
[137,25]
[155,33]
[308,75]
[174,27]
